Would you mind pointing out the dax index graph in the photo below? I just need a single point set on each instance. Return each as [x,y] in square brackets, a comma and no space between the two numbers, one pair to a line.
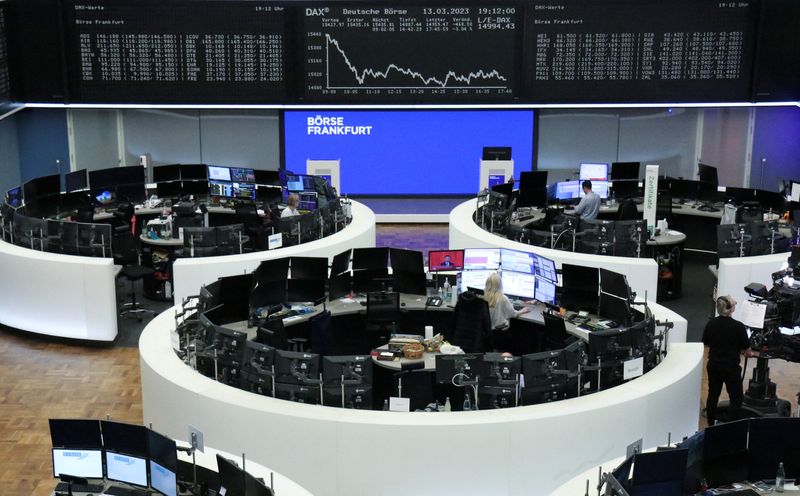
[414,53]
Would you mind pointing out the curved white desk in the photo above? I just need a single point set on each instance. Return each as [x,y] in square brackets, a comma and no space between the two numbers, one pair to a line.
[282,485]
[58,295]
[189,274]
[642,273]
[331,451]
[736,273]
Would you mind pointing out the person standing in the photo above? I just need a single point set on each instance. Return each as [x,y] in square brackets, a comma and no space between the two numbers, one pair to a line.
[589,205]
[726,339]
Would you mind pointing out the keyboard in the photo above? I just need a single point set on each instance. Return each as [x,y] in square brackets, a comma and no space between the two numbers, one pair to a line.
[124,491]
[63,487]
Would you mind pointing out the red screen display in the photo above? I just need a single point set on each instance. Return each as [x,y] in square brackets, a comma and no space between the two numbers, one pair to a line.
[445,260]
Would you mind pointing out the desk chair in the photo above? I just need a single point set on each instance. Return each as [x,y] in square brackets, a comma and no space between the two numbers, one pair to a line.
[749,212]
[85,214]
[247,213]
[471,325]
[198,242]
[628,211]
[185,216]
[94,240]
[383,310]
[310,227]
[290,228]
[230,239]
[127,255]
[7,222]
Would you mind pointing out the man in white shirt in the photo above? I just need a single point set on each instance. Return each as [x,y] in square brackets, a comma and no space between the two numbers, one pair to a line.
[590,203]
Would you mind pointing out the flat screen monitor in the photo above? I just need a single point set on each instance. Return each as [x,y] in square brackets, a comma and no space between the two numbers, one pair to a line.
[242,175]
[114,176]
[105,196]
[504,188]
[76,181]
[406,260]
[340,286]
[616,309]
[581,287]
[568,190]
[624,170]
[231,477]
[546,268]
[475,279]
[625,189]
[14,197]
[772,441]
[707,174]
[614,283]
[133,193]
[340,263]
[124,438]
[517,261]
[443,260]
[220,188]
[453,368]
[495,180]
[708,192]
[75,433]
[87,463]
[482,259]
[409,282]
[170,189]
[196,188]
[268,194]
[217,173]
[738,195]
[305,290]
[162,449]
[42,187]
[126,468]
[267,177]
[545,291]
[353,369]
[315,268]
[771,200]
[725,452]
[244,190]
[599,187]
[164,173]
[163,479]
[594,172]
[296,367]
[193,172]
[370,258]
[496,153]
[684,189]
[532,179]
[518,284]
[794,191]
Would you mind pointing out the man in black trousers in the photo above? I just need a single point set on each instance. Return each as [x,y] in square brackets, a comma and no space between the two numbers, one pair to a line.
[726,339]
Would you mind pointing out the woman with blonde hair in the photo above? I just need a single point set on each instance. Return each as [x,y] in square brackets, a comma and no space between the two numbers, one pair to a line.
[291,206]
[500,309]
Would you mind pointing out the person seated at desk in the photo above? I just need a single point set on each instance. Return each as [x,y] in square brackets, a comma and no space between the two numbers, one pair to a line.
[291,206]
[589,205]
[500,310]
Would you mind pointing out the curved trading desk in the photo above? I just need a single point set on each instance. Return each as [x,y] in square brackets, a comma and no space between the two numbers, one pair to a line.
[642,273]
[59,295]
[189,274]
[332,451]
[736,273]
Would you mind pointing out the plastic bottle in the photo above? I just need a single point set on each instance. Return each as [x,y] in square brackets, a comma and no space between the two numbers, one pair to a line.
[780,478]
[447,290]
[386,405]
[467,401]
[447,407]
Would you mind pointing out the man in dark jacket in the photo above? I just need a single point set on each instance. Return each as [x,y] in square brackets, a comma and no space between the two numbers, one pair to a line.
[471,326]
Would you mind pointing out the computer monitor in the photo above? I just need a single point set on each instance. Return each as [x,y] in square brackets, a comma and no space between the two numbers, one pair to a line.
[366,280]
[685,189]
[124,438]
[771,200]
[444,260]
[42,187]
[532,197]
[794,191]
[616,309]
[305,290]
[659,472]
[481,259]
[162,449]
[496,153]
[370,258]
[409,282]
[773,441]
[164,173]
[193,172]
[196,188]
[76,181]
[733,240]
[126,468]
[725,452]
[267,177]
[493,397]
[162,479]
[243,190]
[611,344]
[497,369]
[87,463]
[170,189]
[545,291]
[581,287]
[517,261]
[504,189]
[351,370]
[546,268]
[217,173]
[75,433]
[738,195]
[340,286]
[475,279]
[114,176]
[231,477]
[599,187]
[568,190]
[532,180]
[340,263]
[314,268]
[268,194]
[458,369]
[707,174]
[518,284]
[495,179]
[133,193]
[355,397]
[594,172]
[14,197]
[614,283]
[298,393]
[625,189]
[624,170]
[406,260]
[296,367]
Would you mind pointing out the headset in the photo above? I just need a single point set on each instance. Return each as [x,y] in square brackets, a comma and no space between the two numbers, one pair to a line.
[729,302]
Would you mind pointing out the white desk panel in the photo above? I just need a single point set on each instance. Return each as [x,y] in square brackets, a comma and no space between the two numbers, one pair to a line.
[189,274]
[642,273]
[330,451]
[58,295]
[736,273]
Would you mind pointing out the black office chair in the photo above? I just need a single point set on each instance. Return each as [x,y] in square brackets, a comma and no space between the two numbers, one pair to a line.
[383,312]
[185,216]
[86,214]
[471,325]
[664,205]
[247,213]
[127,255]
[749,212]
[628,211]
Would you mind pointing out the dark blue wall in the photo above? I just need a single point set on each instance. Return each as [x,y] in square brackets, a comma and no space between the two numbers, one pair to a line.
[42,140]
[776,138]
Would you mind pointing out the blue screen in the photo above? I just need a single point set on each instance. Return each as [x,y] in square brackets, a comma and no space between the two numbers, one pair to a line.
[407,152]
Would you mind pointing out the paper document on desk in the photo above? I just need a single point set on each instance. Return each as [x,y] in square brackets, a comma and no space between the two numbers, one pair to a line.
[790,331]
[752,314]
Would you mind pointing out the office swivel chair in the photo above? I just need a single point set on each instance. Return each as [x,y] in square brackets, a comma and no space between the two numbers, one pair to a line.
[383,312]
[628,211]
[127,255]
[185,216]
[749,212]
[247,213]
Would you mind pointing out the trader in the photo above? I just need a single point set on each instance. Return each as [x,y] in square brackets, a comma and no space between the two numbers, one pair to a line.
[291,206]
[500,310]
[726,338]
[590,203]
